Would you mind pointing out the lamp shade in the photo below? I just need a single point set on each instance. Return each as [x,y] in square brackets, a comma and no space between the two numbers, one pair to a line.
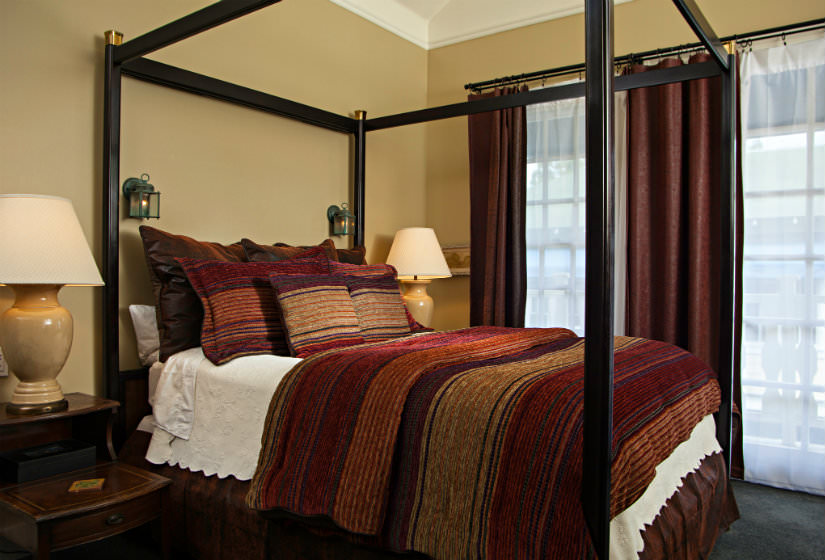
[416,254]
[43,243]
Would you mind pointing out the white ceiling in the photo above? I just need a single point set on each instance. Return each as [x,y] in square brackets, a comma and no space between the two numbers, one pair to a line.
[436,23]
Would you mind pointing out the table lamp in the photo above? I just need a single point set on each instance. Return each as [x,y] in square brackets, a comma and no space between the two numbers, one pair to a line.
[43,249]
[417,256]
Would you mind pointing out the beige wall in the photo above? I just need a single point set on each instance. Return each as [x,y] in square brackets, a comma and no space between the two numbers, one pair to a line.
[224,171]
[640,25]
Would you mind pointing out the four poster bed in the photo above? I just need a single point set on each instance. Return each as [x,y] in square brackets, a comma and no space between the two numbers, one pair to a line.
[376,437]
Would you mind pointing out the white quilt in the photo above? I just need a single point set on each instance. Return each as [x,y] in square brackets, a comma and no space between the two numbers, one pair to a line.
[210,418]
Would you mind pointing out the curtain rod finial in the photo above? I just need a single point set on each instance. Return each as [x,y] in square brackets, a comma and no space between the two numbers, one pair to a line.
[113,37]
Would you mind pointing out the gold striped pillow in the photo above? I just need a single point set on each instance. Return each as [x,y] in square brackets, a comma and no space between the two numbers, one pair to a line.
[381,311]
[317,313]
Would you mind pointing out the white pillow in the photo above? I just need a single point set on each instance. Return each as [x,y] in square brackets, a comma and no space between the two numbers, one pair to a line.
[146,333]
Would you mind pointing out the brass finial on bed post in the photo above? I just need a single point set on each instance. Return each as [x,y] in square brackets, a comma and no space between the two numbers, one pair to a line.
[360,115]
[113,37]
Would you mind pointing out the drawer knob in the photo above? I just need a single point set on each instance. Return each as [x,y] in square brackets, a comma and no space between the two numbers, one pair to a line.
[115,519]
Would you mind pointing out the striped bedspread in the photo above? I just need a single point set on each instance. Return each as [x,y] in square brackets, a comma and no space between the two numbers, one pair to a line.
[467,444]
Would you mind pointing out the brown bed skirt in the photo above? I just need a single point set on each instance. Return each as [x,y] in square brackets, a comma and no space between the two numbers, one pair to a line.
[211,520]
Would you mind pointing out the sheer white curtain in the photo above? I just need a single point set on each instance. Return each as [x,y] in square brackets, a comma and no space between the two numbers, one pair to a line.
[783,348]
[556,210]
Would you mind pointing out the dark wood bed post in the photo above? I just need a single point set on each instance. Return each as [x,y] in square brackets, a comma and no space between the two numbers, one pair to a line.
[598,308]
[727,297]
[110,197]
[115,55]
[598,377]
[359,175]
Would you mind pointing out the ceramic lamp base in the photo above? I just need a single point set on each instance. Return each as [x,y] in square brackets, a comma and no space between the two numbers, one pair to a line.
[36,335]
[418,300]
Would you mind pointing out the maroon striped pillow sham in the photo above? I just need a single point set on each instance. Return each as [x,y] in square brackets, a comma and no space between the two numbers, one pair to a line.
[241,313]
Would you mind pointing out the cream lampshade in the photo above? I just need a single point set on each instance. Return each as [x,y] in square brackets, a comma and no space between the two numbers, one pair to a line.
[42,249]
[417,256]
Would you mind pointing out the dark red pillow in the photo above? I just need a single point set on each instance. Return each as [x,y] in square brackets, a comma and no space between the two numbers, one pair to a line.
[241,313]
[256,252]
[356,255]
[178,307]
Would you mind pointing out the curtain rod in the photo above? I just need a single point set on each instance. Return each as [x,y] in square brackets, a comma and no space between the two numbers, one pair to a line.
[632,58]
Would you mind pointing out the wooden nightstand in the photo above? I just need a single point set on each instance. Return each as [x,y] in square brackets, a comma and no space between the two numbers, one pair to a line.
[87,418]
[42,515]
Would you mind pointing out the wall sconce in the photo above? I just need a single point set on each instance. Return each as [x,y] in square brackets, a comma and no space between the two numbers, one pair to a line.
[342,220]
[144,201]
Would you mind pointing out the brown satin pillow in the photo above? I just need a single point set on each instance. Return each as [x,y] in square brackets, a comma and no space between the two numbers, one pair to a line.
[179,309]
[356,255]
[256,252]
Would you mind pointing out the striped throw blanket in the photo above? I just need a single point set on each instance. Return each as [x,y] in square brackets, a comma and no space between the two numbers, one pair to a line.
[467,444]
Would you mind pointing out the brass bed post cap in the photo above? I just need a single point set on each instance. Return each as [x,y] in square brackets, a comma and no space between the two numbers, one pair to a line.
[113,37]
[360,115]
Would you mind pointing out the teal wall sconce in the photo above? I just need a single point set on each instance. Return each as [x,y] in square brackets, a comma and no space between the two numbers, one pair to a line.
[144,200]
[342,221]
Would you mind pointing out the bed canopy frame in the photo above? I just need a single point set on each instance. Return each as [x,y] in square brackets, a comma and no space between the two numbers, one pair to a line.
[126,60]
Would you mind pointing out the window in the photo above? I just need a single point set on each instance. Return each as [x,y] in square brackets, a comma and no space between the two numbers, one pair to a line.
[783,347]
[556,214]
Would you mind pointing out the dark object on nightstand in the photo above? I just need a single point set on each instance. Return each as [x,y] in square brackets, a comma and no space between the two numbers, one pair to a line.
[30,463]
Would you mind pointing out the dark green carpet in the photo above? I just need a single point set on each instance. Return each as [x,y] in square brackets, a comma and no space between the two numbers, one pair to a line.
[775,525]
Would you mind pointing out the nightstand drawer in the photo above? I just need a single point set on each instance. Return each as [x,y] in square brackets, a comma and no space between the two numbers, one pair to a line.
[106,522]
[43,515]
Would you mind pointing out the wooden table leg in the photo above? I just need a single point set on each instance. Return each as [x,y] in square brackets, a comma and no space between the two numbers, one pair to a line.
[44,541]
[165,529]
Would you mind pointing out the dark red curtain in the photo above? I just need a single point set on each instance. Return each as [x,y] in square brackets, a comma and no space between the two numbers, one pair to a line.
[498,179]
[674,229]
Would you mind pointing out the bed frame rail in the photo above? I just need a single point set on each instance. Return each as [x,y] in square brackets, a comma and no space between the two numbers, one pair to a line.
[211,16]
[192,82]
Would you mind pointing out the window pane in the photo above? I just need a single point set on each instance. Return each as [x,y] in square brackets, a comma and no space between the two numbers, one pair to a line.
[535,185]
[775,162]
[777,225]
[560,178]
[561,216]
[535,216]
[818,225]
[789,86]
